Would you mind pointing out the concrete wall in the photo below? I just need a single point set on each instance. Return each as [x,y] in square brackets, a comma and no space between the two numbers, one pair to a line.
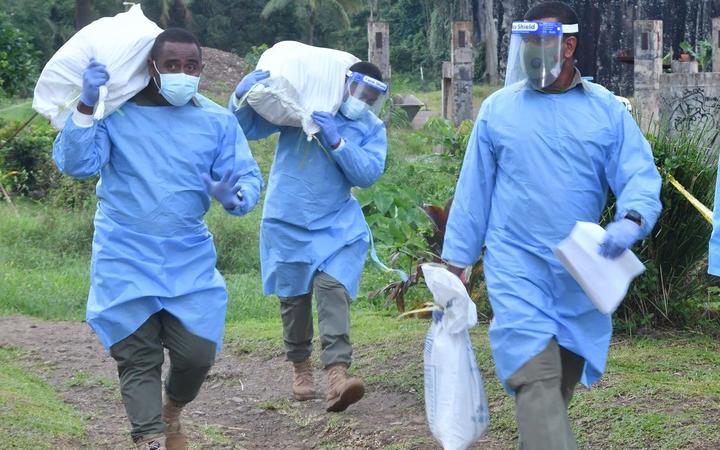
[682,99]
[690,100]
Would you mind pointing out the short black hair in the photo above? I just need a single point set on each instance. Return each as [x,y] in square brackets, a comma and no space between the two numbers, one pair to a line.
[559,10]
[173,35]
[367,68]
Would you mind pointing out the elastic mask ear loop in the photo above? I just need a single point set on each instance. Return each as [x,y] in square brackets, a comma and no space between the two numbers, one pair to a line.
[153,78]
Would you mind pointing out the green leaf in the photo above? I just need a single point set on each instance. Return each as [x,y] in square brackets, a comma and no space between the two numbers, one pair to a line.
[383,201]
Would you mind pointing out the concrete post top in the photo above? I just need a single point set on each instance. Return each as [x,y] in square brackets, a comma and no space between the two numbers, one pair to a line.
[379,25]
[648,23]
[447,71]
[684,66]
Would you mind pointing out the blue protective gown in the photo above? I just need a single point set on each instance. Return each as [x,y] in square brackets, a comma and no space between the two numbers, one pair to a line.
[535,165]
[151,249]
[311,221]
[714,250]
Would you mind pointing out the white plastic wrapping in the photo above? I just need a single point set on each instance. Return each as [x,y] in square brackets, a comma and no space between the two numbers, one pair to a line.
[122,43]
[303,79]
[605,281]
[277,101]
[455,400]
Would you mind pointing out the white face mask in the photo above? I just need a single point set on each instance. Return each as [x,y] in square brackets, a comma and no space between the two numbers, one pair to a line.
[177,88]
[353,108]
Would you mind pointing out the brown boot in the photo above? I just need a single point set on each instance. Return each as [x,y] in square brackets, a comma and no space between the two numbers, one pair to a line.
[342,391]
[303,383]
[153,442]
[174,435]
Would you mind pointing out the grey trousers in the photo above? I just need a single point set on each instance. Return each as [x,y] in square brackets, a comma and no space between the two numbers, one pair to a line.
[333,305]
[140,357]
[543,389]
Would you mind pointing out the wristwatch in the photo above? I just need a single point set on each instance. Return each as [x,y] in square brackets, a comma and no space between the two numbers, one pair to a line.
[634,216]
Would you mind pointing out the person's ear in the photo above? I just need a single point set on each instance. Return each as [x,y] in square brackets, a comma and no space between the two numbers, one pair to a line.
[151,68]
[569,47]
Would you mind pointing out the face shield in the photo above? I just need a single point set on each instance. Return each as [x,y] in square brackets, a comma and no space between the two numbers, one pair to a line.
[363,93]
[535,52]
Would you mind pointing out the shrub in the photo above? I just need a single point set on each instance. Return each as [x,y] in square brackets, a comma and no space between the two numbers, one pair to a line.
[441,133]
[675,253]
[29,170]
[29,156]
[18,60]
[253,56]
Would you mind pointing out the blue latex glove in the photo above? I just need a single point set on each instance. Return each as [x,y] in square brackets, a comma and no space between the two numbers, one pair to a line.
[249,81]
[224,191]
[437,315]
[94,76]
[621,235]
[329,136]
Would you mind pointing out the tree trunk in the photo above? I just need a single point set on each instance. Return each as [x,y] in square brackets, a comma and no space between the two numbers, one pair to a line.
[491,43]
[465,10]
[373,4]
[311,25]
[179,14]
[82,13]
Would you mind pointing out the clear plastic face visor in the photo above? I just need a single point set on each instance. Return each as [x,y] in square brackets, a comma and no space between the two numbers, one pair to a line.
[535,52]
[366,89]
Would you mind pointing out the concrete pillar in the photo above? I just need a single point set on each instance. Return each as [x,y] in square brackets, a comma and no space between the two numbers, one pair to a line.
[379,46]
[684,66]
[462,62]
[716,44]
[446,90]
[648,68]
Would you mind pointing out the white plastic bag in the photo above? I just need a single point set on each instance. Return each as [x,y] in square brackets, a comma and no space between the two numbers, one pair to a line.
[122,43]
[316,73]
[455,400]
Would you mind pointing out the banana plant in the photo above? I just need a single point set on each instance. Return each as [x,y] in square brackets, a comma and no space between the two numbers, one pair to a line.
[396,291]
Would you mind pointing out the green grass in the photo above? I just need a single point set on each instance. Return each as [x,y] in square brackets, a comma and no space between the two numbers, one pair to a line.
[32,414]
[658,393]
[433,99]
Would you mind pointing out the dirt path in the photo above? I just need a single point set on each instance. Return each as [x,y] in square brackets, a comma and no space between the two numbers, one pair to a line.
[245,402]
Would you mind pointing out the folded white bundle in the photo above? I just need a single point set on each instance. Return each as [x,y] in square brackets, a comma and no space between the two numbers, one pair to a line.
[605,281]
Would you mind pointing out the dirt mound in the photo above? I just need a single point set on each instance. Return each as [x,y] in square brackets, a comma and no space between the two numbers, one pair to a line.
[221,74]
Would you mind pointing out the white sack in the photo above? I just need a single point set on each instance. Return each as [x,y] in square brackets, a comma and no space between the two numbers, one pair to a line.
[277,101]
[122,43]
[605,281]
[317,74]
[455,400]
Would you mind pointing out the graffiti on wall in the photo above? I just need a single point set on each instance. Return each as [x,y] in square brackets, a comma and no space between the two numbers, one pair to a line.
[691,107]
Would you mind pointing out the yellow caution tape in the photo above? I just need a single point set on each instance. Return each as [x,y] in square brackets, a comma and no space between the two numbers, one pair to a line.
[702,209]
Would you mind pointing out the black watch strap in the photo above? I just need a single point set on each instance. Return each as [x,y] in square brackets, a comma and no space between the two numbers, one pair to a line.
[634,216]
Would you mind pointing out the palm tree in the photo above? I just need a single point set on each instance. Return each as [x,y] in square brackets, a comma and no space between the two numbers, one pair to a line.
[174,13]
[308,9]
